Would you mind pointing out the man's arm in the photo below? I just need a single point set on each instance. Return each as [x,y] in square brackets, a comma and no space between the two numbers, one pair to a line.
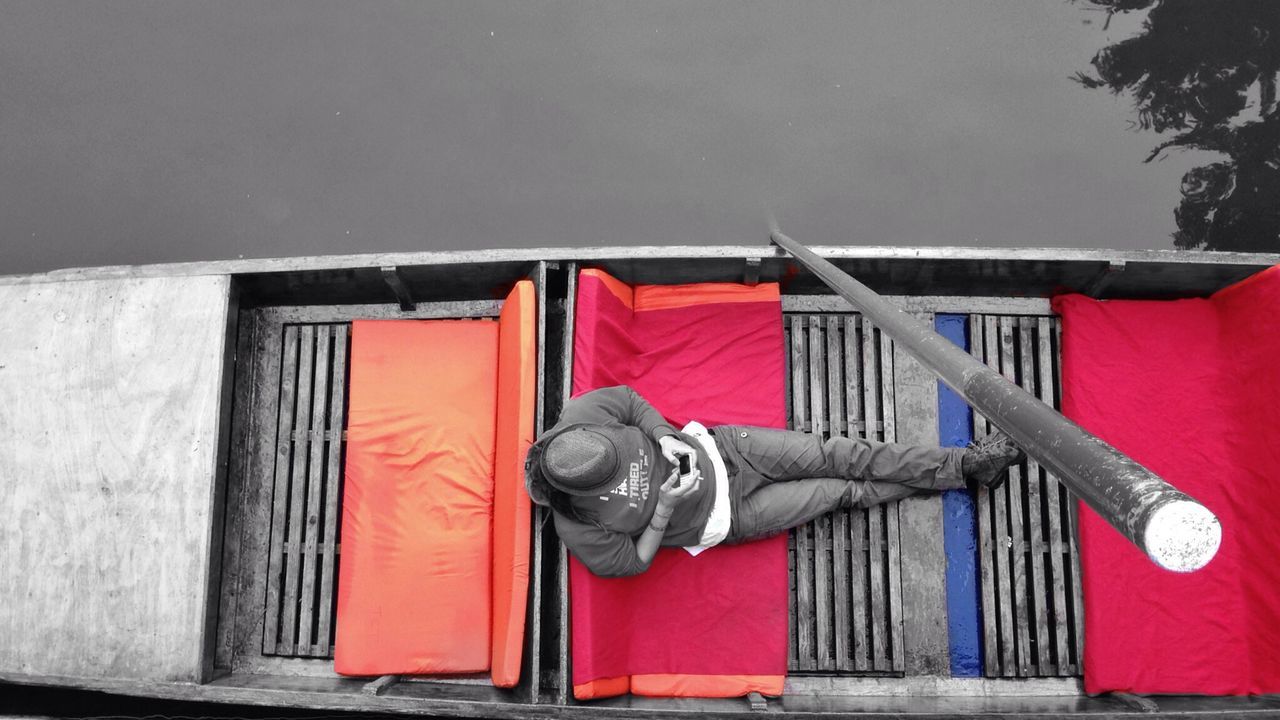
[613,554]
[618,404]
[604,552]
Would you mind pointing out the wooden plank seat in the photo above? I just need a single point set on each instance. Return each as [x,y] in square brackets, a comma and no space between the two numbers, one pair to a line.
[435,520]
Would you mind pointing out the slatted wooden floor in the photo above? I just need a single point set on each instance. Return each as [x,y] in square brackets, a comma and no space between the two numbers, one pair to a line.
[846,595]
[1030,564]
[304,549]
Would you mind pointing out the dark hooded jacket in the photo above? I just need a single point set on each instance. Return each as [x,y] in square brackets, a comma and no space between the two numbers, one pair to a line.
[601,530]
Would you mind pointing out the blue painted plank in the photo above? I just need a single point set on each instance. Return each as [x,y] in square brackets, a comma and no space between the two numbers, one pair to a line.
[960,537]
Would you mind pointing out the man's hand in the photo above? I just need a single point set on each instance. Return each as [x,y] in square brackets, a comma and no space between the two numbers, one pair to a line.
[673,447]
[670,495]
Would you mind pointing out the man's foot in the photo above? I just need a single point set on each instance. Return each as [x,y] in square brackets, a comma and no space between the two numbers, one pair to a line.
[986,462]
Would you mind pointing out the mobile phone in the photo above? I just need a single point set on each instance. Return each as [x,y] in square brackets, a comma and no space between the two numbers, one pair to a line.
[686,464]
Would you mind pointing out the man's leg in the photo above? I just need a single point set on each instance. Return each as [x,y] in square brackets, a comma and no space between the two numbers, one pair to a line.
[782,455]
[780,506]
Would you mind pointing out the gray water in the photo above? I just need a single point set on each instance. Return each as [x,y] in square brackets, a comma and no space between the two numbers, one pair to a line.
[136,132]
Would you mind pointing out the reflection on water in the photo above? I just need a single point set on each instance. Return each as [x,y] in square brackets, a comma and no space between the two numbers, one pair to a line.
[1205,74]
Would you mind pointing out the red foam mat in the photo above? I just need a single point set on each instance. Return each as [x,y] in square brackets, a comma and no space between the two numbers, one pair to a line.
[414,589]
[1191,390]
[714,625]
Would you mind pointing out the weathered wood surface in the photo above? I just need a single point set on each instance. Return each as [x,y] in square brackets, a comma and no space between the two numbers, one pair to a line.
[983,512]
[875,516]
[1001,539]
[232,550]
[845,605]
[1030,580]
[109,412]
[332,491]
[1014,488]
[347,313]
[869,698]
[564,664]
[1044,260]
[531,665]
[304,530]
[923,304]
[1035,522]
[255,510]
[925,648]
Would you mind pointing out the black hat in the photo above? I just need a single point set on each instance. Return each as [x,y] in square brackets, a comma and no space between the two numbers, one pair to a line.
[580,460]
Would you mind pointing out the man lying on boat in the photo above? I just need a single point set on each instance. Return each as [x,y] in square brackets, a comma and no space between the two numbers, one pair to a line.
[737,483]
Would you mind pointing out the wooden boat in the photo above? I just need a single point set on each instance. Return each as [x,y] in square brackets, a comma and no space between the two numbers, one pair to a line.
[134,464]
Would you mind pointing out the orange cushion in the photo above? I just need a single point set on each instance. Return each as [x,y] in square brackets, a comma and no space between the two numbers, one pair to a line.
[414,586]
[517,397]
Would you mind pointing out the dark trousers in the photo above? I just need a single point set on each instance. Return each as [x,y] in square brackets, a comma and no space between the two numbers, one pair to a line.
[779,479]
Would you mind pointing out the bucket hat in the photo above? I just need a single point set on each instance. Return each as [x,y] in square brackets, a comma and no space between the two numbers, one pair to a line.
[579,460]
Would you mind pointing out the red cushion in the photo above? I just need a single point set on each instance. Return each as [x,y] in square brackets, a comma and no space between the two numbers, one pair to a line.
[1189,389]
[714,625]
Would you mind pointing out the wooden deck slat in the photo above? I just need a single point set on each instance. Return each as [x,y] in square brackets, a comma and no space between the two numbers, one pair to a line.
[1035,527]
[817,377]
[804,598]
[1000,537]
[840,558]
[332,492]
[840,562]
[875,517]
[871,382]
[835,379]
[256,507]
[858,556]
[532,666]
[888,405]
[315,482]
[986,568]
[279,499]
[876,565]
[234,567]
[564,665]
[859,583]
[1072,529]
[290,585]
[823,593]
[799,367]
[853,378]
[1058,546]
[822,526]
[804,610]
[1014,488]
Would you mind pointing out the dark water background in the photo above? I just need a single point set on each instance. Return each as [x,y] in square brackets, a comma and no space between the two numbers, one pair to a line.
[136,132]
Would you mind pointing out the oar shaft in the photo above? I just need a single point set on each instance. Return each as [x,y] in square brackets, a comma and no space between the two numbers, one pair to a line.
[1171,528]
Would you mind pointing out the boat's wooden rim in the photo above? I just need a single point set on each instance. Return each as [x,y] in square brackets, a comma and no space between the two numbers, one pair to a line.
[646,252]
[453,700]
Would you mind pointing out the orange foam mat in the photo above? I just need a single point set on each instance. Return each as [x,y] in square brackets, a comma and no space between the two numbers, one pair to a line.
[517,398]
[669,297]
[676,685]
[414,588]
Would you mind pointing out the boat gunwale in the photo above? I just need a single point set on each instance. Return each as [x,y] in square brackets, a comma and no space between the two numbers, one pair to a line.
[321,263]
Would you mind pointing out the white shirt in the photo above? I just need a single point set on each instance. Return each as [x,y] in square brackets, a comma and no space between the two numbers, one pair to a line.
[717,528]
